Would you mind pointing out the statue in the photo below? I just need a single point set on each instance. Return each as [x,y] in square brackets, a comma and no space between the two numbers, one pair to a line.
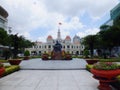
[57,47]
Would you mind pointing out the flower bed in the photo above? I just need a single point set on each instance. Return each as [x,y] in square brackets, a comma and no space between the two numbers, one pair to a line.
[11,69]
[89,66]
[2,71]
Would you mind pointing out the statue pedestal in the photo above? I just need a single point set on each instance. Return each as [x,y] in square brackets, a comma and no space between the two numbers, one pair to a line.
[57,55]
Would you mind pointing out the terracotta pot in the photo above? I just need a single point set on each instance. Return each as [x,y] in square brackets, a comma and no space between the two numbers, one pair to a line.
[26,57]
[92,61]
[105,77]
[2,70]
[108,74]
[68,57]
[14,61]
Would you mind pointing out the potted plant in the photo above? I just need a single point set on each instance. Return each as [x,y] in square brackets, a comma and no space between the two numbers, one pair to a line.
[105,72]
[26,55]
[92,60]
[2,69]
[14,61]
[45,56]
[68,56]
[88,59]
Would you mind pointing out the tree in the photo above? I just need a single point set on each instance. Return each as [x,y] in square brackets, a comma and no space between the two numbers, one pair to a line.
[110,35]
[90,42]
[19,43]
[3,37]
[26,53]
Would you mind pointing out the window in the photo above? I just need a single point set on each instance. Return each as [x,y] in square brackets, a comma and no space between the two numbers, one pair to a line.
[49,46]
[2,21]
[45,46]
[72,46]
[68,46]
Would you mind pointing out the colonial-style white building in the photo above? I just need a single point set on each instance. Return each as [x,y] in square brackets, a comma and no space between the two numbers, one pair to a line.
[68,45]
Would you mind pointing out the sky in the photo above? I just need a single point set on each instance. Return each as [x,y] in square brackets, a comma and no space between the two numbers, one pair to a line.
[36,19]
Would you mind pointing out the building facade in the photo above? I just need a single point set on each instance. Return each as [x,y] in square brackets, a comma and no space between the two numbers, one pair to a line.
[3,25]
[3,18]
[114,14]
[72,46]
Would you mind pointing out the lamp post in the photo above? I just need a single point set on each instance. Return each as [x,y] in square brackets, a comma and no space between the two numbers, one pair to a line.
[9,31]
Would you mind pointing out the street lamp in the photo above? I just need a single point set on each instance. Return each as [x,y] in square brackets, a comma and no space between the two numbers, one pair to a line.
[9,31]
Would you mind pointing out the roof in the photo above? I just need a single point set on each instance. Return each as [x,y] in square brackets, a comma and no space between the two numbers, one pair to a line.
[3,12]
[49,37]
[67,38]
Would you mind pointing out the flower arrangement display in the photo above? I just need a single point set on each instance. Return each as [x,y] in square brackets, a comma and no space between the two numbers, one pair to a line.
[106,66]
[105,72]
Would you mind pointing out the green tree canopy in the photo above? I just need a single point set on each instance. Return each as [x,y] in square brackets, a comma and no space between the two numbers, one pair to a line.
[3,37]
[90,43]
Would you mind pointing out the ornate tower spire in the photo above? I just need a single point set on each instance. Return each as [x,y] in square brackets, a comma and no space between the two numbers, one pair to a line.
[59,33]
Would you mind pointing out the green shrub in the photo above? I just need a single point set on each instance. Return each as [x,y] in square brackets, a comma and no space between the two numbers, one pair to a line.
[26,53]
[86,53]
[110,60]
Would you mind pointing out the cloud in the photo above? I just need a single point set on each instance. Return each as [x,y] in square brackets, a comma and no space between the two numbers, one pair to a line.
[90,31]
[78,7]
[26,16]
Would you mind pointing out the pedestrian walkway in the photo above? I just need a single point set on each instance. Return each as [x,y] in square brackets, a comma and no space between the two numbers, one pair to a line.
[47,79]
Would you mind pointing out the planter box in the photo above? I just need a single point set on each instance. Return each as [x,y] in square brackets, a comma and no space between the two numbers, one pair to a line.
[26,57]
[14,61]
[68,57]
[105,77]
[45,57]
[108,74]
[91,61]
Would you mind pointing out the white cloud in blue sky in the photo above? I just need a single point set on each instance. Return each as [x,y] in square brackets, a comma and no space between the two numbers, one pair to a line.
[36,19]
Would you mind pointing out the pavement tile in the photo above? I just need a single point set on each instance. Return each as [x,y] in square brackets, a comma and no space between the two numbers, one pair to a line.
[50,79]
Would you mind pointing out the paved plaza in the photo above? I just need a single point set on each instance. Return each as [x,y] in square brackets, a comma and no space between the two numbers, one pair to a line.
[44,78]
[53,64]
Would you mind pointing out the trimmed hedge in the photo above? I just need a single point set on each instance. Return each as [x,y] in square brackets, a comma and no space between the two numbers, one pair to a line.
[11,69]
[88,67]
[110,60]
[4,61]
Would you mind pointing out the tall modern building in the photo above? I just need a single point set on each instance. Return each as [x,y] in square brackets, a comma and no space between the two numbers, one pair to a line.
[114,14]
[68,45]
[3,25]
[3,18]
